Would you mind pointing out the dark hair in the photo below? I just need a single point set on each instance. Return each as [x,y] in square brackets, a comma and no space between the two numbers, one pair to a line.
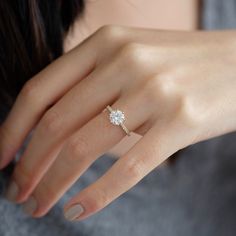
[31,36]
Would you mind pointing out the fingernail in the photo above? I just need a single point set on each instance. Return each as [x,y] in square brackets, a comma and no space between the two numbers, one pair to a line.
[29,206]
[12,191]
[74,212]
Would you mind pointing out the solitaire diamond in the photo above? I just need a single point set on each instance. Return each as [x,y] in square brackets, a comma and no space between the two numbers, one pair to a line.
[117,117]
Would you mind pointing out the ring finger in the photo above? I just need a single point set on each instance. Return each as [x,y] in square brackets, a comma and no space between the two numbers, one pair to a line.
[81,150]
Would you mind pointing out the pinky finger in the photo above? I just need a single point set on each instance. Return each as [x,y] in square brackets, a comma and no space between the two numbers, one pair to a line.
[142,158]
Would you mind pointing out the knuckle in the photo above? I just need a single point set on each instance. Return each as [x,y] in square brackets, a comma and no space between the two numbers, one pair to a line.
[133,169]
[77,147]
[111,33]
[134,54]
[187,111]
[51,122]
[98,202]
[30,90]
[160,88]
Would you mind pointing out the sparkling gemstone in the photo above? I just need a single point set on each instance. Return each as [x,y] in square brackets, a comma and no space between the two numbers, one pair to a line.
[117,117]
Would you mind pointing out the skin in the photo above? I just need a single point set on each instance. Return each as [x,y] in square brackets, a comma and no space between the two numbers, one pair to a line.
[157,14]
[176,88]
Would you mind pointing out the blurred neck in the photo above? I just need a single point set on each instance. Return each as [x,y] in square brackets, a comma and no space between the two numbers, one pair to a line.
[159,14]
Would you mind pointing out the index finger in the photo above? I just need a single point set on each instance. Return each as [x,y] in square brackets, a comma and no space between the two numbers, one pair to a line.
[39,93]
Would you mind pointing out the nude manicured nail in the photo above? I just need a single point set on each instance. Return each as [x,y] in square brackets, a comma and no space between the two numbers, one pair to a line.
[74,212]
[30,206]
[12,191]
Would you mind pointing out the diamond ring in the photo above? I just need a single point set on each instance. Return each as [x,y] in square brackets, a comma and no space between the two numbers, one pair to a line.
[117,117]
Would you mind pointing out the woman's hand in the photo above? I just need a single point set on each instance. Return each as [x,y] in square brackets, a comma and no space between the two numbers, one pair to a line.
[175,88]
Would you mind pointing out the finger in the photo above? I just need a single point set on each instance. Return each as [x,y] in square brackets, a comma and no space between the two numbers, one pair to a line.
[142,158]
[41,92]
[88,97]
[81,150]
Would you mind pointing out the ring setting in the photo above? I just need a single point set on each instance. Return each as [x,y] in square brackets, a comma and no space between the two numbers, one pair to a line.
[117,117]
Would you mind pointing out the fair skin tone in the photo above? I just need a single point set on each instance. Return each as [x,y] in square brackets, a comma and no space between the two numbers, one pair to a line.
[157,14]
[176,88]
